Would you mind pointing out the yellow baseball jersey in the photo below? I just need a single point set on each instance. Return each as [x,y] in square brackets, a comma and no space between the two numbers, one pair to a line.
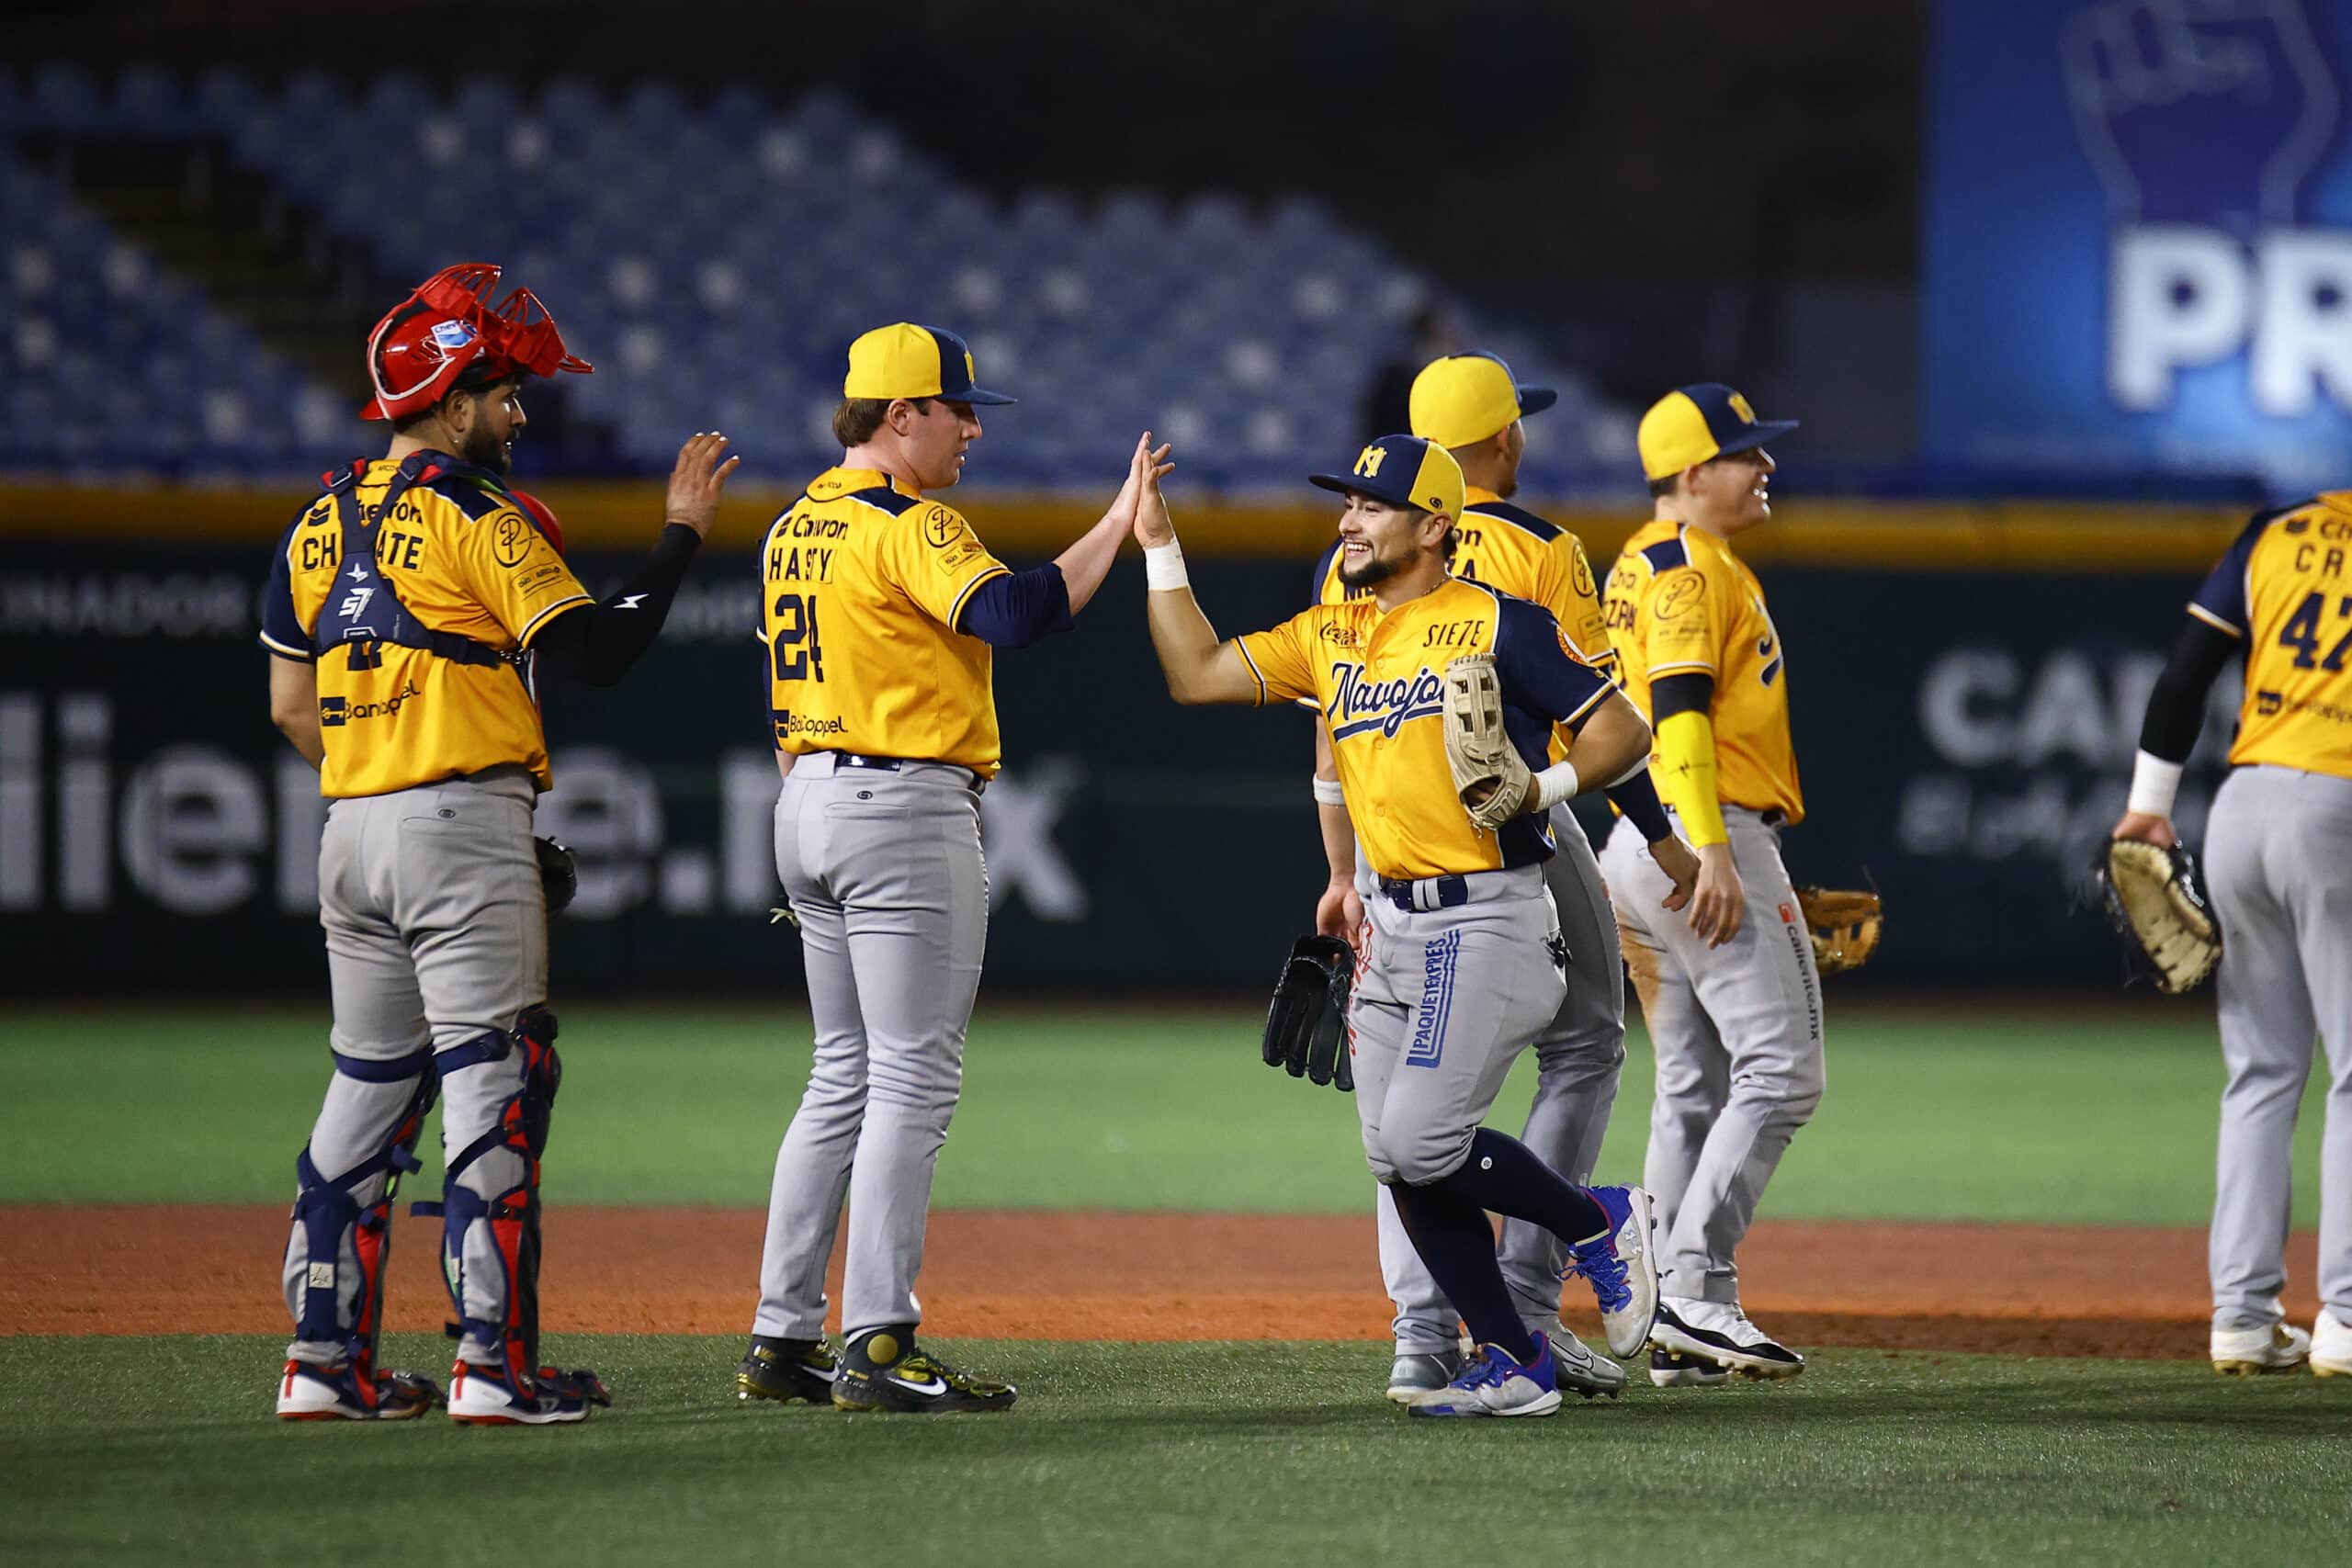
[2285,588]
[463,560]
[864,584]
[1680,602]
[1377,678]
[1511,548]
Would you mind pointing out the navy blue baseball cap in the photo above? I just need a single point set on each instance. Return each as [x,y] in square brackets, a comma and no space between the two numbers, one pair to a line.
[1402,470]
[904,360]
[1695,425]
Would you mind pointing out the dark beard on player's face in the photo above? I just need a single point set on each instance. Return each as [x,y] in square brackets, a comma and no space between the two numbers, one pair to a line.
[1372,572]
[484,450]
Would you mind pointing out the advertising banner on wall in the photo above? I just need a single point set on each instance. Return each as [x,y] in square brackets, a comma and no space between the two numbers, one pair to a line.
[1964,741]
[2137,251]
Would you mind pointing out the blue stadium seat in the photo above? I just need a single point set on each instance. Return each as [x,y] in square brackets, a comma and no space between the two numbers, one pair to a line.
[713,259]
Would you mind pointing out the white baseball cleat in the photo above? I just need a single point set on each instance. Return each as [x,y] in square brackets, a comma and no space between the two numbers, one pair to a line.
[496,1396]
[1619,1266]
[1719,1332]
[2331,1346]
[1492,1383]
[1582,1371]
[2250,1352]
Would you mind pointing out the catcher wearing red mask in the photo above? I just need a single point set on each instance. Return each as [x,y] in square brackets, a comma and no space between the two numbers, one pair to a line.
[409,611]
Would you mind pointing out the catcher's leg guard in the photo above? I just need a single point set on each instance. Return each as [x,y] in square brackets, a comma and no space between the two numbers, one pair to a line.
[489,1208]
[342,1237]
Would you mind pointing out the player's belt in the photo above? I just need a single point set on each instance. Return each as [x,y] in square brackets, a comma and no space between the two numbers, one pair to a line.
[1426,892]
[858,760]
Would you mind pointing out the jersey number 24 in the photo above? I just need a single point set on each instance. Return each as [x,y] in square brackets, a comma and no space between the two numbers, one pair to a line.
[800,655]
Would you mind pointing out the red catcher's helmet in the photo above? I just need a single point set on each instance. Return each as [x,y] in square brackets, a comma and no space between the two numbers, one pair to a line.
[448,333]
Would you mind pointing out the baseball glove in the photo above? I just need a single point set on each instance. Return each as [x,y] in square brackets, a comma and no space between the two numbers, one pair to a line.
[2152,899]
[1306,1027]
[558,872]
[1844,924]
[1488,773]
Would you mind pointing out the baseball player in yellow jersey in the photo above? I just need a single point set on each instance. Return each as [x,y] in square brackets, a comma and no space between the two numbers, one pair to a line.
[881,610]
[2279,860]
[1471,405]
[408,610]
[1731,996]
[1461,967]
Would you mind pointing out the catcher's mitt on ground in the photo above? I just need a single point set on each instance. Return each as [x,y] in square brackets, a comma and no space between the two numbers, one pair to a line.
[1485,764]
[2152,898]
[1844,924]
[1306,1027]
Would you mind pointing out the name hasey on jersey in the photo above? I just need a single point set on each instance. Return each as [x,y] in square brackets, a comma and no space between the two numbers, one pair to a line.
[800,563]
[1359,703]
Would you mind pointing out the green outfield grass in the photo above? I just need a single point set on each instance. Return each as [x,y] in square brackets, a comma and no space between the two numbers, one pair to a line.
[160,1451]
[2065,1116]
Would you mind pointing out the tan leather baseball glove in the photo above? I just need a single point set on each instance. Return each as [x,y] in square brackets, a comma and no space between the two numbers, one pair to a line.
[1489,774]
[2152,899]
[1844,924]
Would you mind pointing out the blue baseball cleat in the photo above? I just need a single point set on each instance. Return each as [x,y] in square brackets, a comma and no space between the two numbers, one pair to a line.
[1621,1268]
[1495,1384]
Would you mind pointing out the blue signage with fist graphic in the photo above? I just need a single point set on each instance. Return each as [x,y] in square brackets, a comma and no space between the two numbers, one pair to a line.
[2138,245]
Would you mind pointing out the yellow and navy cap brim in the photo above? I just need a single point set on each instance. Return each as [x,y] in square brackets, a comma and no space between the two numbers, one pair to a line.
[1698,424]
[1411,472]
[908,360]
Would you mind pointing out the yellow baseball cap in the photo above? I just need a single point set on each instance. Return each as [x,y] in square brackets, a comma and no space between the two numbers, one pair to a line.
[1402,470]
[1694,425]
[1465,397]
[904,360]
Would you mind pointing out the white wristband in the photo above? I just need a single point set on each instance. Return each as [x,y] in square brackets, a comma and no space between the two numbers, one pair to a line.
[2154,783]
[1328,793]
[1163,567]
[1554,784]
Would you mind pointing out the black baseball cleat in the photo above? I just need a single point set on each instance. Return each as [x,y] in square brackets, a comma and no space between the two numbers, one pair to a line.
[883,1371]
[786,1371]
[1719,1333]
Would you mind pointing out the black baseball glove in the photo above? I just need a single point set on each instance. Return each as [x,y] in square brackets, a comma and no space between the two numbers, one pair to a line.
[557,871]
[2151,897]
[1306,1027]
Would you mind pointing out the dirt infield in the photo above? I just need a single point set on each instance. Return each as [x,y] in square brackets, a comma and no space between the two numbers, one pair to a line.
[2017,1290]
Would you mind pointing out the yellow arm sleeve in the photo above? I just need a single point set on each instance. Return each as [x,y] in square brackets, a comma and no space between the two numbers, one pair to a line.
[1686,750]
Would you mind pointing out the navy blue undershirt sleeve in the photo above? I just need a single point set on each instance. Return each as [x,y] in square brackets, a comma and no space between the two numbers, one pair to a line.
[1637,799]
[2177,702]
[1015,609]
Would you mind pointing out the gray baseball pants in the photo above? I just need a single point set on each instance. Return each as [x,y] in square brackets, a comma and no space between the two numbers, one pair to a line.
[2279,856]
[436,933]
[1738,1031]
[1444,1002]
[1579,1057]
[885,875]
